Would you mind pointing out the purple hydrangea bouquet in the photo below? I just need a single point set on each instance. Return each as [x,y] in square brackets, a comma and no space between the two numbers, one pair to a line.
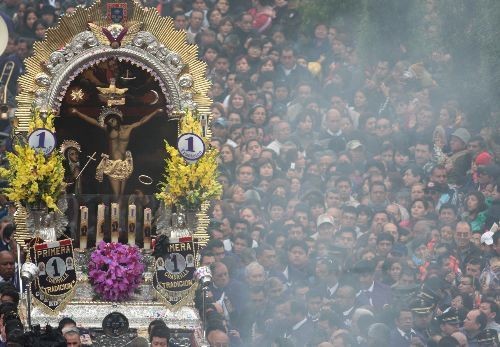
[115,270]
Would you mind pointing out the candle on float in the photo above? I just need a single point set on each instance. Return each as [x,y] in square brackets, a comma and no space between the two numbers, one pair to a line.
[146,231]
[131,224]
[84,226]
[115,222]
[101,217]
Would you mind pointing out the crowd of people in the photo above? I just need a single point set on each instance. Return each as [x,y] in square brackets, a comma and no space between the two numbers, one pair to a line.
[360,202]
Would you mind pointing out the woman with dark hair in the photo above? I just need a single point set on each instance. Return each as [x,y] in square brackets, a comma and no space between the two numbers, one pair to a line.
[266,169]
[28,27]
[242,67]
[223,6]
[217,91]
[225,28]
[210,53]
[475,211]
[305,123]
[252,149]
[258,115]
[267,66]
[360,101]
[228,159]
[217,111]
[214,17]
[418,210]
[391,271]
[40,27]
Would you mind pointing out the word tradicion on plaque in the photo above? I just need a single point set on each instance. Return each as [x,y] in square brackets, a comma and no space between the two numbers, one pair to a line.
[57,276]
[174,270]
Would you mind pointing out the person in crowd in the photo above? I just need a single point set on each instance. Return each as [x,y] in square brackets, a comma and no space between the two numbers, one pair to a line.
[351,184]
[72,336]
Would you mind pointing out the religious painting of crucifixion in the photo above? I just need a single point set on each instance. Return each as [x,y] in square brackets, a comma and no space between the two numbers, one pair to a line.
[117,113]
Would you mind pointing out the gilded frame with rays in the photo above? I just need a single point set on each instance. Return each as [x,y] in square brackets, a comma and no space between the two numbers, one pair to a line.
[92,35]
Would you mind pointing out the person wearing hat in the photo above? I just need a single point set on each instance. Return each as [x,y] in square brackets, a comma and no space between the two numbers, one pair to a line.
[220,128]
[325,228]
[460,157]
[483,159]
[487,175]
[357,151]
[423,311]
[480,160]
[449,321]
[371,292]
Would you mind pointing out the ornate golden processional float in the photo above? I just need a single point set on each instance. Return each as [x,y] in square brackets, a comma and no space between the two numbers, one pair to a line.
[103,95]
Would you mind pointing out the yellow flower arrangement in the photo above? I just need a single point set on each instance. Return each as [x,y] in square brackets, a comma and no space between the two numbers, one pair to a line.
[190,184]
[33,177]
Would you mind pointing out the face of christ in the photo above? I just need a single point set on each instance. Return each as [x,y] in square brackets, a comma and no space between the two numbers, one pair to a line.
[113,122]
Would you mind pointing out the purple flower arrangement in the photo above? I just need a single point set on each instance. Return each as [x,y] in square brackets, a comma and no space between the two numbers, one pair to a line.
[115,270]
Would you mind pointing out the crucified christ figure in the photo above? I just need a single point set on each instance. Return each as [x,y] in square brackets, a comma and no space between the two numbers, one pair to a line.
[118,164]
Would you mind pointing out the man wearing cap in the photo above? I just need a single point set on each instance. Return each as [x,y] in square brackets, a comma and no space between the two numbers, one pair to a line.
[357,152]
[487,175]
[460,157]
[423,311]
[219,129]
[449,322]
[325,228]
